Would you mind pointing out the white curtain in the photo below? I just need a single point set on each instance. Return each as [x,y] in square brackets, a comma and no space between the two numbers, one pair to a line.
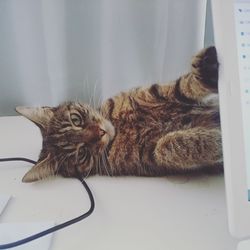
[57,50]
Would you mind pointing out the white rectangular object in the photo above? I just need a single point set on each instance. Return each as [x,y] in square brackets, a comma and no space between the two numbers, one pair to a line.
[3,202]
[11,232]
[244,245]
[232,39]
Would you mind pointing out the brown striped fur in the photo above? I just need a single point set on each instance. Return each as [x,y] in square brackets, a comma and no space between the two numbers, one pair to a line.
[147,131]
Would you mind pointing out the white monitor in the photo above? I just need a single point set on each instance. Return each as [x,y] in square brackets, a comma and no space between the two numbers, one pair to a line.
[231,20]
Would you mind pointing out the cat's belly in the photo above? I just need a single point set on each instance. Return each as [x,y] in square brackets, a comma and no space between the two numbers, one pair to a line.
[123,155]
[132,151]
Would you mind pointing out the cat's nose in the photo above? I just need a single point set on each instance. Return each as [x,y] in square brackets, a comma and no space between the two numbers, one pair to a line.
[102,132]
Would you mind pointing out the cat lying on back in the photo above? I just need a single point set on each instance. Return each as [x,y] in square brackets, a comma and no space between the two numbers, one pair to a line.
[148,131]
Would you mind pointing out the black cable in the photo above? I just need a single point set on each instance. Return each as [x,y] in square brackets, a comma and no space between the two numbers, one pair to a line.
[18,159]
[57,227]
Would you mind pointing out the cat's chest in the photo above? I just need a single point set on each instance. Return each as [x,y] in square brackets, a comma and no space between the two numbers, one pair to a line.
[165,117]
[146,123]
[143,126]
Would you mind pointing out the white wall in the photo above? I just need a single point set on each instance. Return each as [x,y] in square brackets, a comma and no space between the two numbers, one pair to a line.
[52,51]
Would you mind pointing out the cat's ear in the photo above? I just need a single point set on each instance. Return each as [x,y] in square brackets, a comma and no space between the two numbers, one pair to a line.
[40,116]
[43,169]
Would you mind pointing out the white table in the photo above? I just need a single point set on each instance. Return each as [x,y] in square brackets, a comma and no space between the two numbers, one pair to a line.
[131,212]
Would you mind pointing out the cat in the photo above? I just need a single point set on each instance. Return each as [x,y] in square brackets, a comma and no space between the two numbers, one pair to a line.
[157,130]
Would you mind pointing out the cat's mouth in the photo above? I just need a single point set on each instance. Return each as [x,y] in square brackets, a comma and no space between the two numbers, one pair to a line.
[99,137]
[109,129]
[107,135]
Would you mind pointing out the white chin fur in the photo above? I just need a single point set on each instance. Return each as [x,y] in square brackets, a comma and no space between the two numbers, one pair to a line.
[211,100]
[109,128]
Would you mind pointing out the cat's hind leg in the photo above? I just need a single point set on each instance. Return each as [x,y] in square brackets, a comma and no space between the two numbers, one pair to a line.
[202,79]
[194,87]
[189,149]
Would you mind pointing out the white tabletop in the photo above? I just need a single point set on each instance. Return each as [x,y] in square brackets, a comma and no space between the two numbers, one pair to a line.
[132,213]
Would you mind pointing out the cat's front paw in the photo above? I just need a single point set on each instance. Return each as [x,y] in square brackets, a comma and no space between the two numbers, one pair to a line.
[205,66]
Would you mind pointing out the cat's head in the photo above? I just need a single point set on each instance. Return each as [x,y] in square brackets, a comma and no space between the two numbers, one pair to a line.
[74,135]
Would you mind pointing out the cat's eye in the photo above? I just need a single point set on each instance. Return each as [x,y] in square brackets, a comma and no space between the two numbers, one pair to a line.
[76,119]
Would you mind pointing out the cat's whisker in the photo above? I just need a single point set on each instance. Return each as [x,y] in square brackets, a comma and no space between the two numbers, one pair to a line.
[100,166]
[105,157]
[86,89]
[77,152]
[94,96]
[96,167]
[90,169]
[60,164]
[99,103]
[91,96]
[98,100]
[86,92]
[99,169]
[105,164]
[106,160]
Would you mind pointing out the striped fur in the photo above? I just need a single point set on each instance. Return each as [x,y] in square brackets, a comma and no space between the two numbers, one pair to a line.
[148,131]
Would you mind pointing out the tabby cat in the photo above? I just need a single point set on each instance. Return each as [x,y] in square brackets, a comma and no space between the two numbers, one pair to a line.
[147,131]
